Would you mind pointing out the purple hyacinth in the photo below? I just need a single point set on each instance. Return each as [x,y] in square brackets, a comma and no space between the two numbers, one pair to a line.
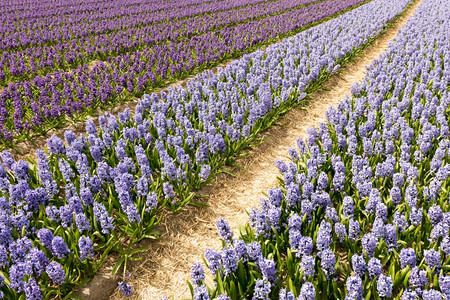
[407,257]
[400,221]
[102,216]
[285,295]
[374,267]
[348,206]
[59,247]
[354,288]
[38,260]
[353,230]
[369,243]
[204,172]
[224,230]
[214,260]
[410,295]
[168,190]
[331,214]
[432,258]
[201,293]
[384,286]
[295,222]
[294,238]
[241,249]
[56,272]
[229,260]
[125,288]
[19,248]
[197,273]
[418,278]
[390,236]
[307,292]
[7,159]
[268,270]
[46,237]
[307,266]
[327,262]
[32,290]
[305,245]
[435,214]
[340,231]
[82,222]
[359,264]
[431,295]
[416,216]
[444,285]
[55,145]
[86,248]
[445,245]
[262,290]
[254,250]
[324,238]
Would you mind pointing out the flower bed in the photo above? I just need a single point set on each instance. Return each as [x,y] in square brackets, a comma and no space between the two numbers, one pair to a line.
[362,209]
[105,191]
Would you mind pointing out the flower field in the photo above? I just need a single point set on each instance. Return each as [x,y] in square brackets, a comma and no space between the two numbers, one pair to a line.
[362,207]
[104,191]
[53,66]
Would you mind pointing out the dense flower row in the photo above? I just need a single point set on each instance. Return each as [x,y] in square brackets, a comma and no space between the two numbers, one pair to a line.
[32,10]
[68,54]
[99,21]
[113,182]
[362,211]
[31,105]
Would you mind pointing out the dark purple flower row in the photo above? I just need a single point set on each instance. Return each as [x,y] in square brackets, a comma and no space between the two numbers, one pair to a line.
[36,12]
[70,54]
[92,22]
[29,105]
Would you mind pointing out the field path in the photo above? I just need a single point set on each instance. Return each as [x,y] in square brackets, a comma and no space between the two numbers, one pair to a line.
[165,267]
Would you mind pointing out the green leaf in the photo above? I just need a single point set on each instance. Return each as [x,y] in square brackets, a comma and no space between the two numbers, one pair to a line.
[368,295]
[191,288]
[198,204]
[117,266]
[71,295]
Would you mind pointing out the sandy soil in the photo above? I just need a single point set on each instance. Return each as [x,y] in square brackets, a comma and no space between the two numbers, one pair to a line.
[165,268]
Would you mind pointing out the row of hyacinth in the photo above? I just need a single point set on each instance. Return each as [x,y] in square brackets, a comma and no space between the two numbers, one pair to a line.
[362,209]
[87,194]
[24,11]
[35,105]
[69,53]
[30,26]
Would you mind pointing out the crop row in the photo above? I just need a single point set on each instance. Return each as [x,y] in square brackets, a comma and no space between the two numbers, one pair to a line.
[104,191]
[362,211]
[59,15]
[66,55]
[34,106]
[98,24]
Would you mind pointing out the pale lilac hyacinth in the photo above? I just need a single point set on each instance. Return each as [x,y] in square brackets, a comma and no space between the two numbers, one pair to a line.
[384,286]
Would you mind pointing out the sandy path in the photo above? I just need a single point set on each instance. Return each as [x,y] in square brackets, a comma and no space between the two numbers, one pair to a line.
[165,268]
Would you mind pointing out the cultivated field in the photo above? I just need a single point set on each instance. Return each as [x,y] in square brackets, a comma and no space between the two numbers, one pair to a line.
[136,151]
